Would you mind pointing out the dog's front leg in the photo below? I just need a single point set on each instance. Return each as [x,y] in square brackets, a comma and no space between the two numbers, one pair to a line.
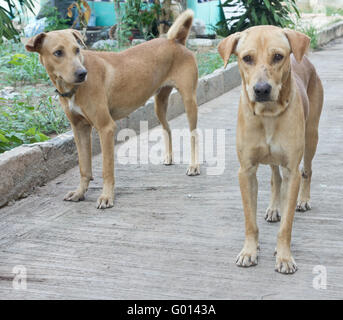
[289,193]
[249,187]
[106,134]
[82,135]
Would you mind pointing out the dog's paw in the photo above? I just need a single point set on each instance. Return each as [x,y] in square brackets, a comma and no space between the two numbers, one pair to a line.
[272,215]
[247,258]
[303,206]
[104,202]
[168,160]
[193,170]
[74,196]
[285,265]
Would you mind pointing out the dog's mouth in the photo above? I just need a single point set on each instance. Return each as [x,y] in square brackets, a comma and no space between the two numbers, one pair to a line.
[263,99]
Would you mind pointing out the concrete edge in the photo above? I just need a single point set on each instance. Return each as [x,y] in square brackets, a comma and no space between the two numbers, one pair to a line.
[328,34]
[29,166]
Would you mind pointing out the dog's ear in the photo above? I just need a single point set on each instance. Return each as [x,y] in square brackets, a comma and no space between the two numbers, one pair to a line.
[35,43]
[78,36]
[228,46]
[299,43]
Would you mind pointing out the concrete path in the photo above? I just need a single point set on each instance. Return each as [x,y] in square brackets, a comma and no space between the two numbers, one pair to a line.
[171,236]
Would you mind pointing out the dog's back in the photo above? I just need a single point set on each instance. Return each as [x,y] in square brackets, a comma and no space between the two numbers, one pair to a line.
[306,78]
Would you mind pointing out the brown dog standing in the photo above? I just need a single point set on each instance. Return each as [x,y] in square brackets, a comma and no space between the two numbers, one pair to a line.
[278,117]
[97,88]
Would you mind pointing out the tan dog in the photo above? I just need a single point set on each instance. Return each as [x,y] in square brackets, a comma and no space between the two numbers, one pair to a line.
[278,117]
[97,88]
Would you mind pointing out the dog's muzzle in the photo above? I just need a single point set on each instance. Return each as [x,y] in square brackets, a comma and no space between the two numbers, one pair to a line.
[262,91]
[80,75]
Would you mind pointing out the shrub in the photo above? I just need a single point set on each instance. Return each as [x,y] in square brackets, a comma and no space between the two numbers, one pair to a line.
[26,122]
[311,32]
[257,12]
[54,20]
[18,65]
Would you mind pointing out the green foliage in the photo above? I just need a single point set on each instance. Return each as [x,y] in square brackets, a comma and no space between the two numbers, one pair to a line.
[332,11]
[8,12]
[139,15]
[25,122]
[311,32]
[54,20]
[209,62]
[258,12]
[17,66]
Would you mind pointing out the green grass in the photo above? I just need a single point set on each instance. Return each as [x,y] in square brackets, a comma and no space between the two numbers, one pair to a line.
[18,67]
[311,32]
[22,120]
[332,11]
[209,62]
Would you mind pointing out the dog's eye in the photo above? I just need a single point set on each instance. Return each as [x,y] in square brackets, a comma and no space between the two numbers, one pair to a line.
[77,50]
[58,53]
[247,59]
[278,57]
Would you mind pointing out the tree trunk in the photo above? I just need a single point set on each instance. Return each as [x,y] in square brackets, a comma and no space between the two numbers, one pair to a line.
[165,18]
[117,12]
[183,4]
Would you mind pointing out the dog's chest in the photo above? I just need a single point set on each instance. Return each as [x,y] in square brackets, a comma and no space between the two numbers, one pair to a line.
[74,108]
[270,145]
[269,130]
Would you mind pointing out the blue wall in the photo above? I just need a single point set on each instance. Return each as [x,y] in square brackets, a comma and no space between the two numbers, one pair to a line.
[209,12]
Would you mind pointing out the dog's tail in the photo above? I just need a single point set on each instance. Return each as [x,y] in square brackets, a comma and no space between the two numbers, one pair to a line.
[179,31]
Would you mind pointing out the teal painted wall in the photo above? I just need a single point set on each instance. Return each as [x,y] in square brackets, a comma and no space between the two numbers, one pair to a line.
[104,12]
[209,12]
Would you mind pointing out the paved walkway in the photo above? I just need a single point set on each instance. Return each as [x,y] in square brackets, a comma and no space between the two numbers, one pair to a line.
[170,236]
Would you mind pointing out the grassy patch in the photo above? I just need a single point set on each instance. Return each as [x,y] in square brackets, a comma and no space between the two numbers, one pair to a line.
[209,62]
[22,120]
[311,32]
[332,11]
[18,67]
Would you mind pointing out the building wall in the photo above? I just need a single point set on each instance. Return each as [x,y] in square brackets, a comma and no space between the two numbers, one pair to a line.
[104,12]
[209,12]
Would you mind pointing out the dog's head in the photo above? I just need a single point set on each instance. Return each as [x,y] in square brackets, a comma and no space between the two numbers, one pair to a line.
[263,54]
[60,54]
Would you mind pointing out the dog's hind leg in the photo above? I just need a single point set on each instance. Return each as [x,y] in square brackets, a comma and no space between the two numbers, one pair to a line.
[106,134]
[272,213]
[311,141]
[82,135]
[161,105]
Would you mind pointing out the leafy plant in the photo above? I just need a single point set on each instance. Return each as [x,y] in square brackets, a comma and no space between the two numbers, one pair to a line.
[55,20]
[312,32]
[250,13]
[83,13]
[140,15]
[332,11]
[8,12]
[19,66]
[209,62]
[22,121]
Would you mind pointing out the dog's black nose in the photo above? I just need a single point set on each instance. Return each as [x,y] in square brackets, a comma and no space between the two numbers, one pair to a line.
[262,91]
[80,75]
